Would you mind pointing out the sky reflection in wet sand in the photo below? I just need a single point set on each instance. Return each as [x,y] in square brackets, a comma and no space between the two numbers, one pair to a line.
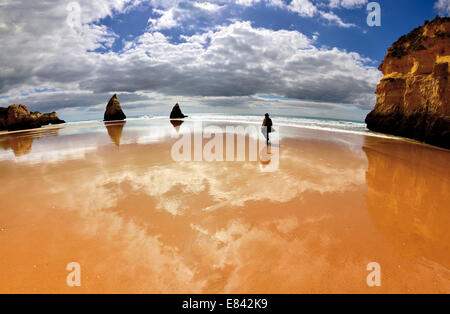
[112,199]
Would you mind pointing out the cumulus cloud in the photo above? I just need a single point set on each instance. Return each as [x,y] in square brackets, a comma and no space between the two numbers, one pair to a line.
[41,42]
[348,4]
[303,7]
[310,8]
[330,16]
[207,6]
[172,16]
[169,17]
[443,6]
[237,60]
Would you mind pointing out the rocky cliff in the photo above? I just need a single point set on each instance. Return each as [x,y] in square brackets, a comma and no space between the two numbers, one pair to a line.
[114,110]
[413,97]
[18,117]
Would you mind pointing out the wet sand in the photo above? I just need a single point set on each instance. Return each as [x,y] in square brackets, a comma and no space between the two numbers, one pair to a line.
[112,199]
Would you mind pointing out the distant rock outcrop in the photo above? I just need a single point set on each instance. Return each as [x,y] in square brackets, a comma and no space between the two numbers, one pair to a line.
[413,98]
[176,113]
[50,118]
[114,110]
[18,117]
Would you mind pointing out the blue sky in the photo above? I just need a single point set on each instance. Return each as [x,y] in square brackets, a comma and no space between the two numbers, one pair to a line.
[290,57]
[398,18]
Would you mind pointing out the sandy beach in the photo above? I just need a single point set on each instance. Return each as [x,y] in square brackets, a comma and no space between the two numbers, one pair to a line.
[112,199]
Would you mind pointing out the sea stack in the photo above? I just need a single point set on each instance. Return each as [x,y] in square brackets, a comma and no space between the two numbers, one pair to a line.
[413,97]
[176,113]
[18,117]
[114,110]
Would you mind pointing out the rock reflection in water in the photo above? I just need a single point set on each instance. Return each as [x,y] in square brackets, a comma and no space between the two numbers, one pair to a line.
[115,131]
[177,124]
[22,143]
[408,199]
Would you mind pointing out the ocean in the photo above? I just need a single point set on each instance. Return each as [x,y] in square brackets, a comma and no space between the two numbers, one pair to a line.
[321,124]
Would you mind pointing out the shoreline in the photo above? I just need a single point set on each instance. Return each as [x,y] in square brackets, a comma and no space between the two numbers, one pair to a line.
[229,119]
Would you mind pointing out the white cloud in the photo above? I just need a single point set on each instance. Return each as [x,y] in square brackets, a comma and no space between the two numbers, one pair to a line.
[443,6]
[247,3]
[239,60]
[330,16]
[171,16]
[348,4]
[184,11]
[208,6]
[228,62]
[166,20]
[303,8]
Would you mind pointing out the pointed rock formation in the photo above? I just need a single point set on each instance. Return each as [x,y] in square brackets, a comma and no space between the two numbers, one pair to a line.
[176,113]
[413,98]
[114,110]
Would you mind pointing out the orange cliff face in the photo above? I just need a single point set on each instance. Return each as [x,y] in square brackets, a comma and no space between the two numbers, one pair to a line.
[413,98]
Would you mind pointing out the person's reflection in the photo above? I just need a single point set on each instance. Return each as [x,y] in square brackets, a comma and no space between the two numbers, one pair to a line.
[265,158]
[115,131]
[177,124]
[408,199]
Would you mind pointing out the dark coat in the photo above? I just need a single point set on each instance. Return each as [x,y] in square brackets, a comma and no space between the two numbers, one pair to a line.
[269,124]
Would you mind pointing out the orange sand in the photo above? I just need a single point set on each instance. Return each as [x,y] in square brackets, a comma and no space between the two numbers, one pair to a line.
[113,200]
